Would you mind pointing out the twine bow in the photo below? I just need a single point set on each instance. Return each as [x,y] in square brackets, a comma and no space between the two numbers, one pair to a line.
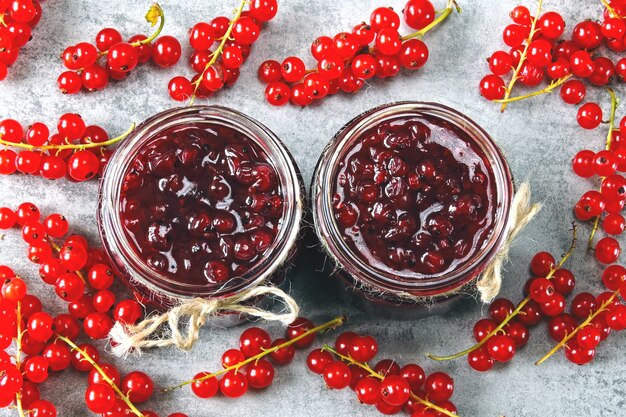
[522,212]
[133,338]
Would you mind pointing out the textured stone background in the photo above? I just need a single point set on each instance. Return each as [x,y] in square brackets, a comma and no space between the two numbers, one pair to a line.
[538,136]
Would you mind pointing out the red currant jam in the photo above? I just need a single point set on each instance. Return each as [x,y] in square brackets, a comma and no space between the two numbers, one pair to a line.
[415,194]
[411,200]
[201,203]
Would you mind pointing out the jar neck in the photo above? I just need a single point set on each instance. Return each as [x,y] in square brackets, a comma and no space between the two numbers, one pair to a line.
[121,249]
[381,280]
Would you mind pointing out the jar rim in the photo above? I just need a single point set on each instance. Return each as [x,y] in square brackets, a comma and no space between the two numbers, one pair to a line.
[383,282]
[119,247]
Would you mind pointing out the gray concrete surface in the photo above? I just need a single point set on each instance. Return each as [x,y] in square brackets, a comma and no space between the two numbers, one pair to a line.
[539,137]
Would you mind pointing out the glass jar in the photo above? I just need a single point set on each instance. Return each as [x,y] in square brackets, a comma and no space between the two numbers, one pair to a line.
[160,287]
[372,280]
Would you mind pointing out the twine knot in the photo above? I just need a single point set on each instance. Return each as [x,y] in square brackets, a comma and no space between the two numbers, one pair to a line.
[521,213]
[152,332]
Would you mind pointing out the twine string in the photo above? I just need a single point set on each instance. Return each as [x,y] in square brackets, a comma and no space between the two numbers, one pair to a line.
[521,213]
[162,330]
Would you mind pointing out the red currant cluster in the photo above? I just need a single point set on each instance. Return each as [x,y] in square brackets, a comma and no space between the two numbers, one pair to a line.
[77,151]
[220,67]
[591,319]
[507,328]
[605,205]
[538,54]
[387,386]
[48,345]
[87,71]
[246,367]
[17,20]
[347,60]
[80,275]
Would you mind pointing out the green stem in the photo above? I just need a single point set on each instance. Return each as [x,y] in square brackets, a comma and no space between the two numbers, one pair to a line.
[585,323]
[69,145]
[515,312]
[607,146]
[380,377]
[329,325]
[103,374]
[18,357]
[533,30]
[552,86]
[452,4]
[218,52]
[611,10]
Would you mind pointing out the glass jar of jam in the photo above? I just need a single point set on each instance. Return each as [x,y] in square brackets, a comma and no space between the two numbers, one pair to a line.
[200,202]
[411,200]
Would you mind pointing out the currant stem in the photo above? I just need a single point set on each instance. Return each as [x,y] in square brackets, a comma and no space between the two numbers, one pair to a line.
[570,336]
[515,312]
[607,146]
[81,146]
[450,7]
[522,60]
[218,51]
[103,374]
[326,326]
[549,88]
[379,376]
[18,356]
[610,8]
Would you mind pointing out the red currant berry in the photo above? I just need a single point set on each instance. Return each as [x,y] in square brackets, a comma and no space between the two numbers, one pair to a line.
[233,384]
[575,354]
[439,386]
[138,386]
[277,93]
[589,115]
[166,51]
[384,17]
[480,360]
[337,375]
[106,38]
[260,374]
[253,341]
[299,327]
[246,31]
[100,398]
[492,87]
[419,13]
[180,88]
[551,25]
[202,36]
[204,385]
[607,250]
[501,348]
[587,34]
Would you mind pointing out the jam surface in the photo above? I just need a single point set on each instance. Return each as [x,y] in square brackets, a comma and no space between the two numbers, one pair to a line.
[201,204]
[414,194]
